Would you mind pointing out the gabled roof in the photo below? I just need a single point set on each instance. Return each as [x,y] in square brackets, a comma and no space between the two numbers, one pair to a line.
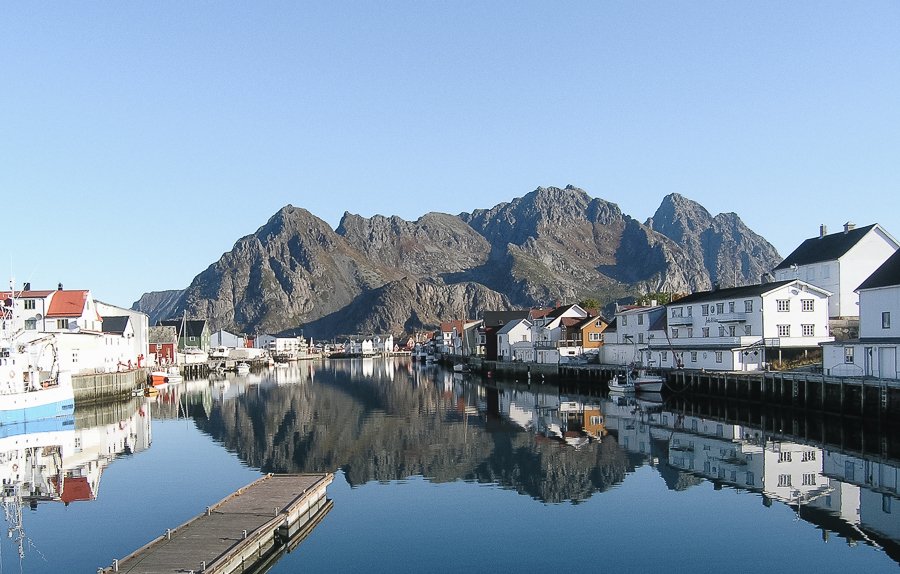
[67,303]
[74,488]
[115,325]
[162,334]
[589,320]
[193,327]
[733,292]
[500,318]
[888,275]
[560,310]
[448,326]
[827,248]
[512,325]
[570,321]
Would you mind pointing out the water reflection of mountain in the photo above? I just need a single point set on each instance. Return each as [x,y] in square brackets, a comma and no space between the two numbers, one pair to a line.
[386,421]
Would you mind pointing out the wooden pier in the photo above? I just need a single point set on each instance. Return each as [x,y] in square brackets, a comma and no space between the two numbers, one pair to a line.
[251,526]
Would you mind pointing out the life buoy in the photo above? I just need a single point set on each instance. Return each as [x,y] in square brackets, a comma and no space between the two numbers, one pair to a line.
[15,467]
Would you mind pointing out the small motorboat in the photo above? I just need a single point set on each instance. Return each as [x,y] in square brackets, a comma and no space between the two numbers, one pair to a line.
[242,368]
[621,384]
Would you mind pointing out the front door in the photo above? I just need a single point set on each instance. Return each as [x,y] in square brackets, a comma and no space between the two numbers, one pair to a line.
[887,362]
[868,360]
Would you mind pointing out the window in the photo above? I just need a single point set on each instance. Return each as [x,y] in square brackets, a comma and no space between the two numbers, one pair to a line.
[706,331]
[784,305]
[641,319]
[694,422]
[784,330]
[29,304]
[748,306]
[693,356]
[784,456]
[750,479]
[747,330]
[809,455]
[731,306]
[30,324]
[808,304]
[784,480]
[732,331]
[886,320]
[809,480]
[721,331]
[690,311]
[718,356]
[720,308]
[886,503]
[808,330]
[74,355]
[640,337]
[62,324]
[663,356]
[690,332]
[595,337]
[674,332]
[676,311]
[624,320]
[705,310]
[848,354]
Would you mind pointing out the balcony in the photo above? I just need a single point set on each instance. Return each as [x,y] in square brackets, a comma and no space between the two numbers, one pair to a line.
[552,345]
[731,317]
[676,321]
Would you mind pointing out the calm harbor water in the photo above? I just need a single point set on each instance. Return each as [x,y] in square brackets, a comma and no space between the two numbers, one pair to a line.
[443,472]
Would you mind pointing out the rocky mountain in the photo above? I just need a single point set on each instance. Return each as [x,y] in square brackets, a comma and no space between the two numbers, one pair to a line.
[730,251]
[159,305]
[388,274]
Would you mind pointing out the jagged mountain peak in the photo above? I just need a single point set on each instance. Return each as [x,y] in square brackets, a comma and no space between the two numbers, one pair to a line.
[383,271]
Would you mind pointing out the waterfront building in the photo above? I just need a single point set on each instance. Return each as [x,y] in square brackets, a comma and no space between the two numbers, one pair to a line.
[874,353]
[223,338]
[514,341]
[839,263]
[550,334]
[625,339]
[193,334]
[741,328]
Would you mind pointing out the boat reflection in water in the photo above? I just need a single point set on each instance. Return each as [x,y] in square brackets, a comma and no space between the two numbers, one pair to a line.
[56,460]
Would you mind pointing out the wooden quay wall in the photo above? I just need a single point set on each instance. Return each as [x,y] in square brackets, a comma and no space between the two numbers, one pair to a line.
[252,526]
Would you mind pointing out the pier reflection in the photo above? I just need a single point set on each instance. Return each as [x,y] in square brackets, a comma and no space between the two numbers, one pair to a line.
[382,420]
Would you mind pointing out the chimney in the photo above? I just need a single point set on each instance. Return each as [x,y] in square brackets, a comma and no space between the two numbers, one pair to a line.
[59,287]
[823,231]
[766,278]
[849,226]
[653,302]
[27,286]
[715,286]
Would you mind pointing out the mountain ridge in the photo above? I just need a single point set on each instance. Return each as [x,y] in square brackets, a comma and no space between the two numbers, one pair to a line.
[385,273]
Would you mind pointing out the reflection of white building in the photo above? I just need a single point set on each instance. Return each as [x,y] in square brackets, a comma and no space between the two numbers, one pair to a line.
[878,490]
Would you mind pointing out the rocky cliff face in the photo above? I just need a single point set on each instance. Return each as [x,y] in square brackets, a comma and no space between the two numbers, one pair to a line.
[159,305]
[388,274]
[731,252]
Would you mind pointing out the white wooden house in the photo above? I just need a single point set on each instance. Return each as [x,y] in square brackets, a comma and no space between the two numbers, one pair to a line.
[839,263]
[874,353]
[514,341]
[627,337]
[741,328]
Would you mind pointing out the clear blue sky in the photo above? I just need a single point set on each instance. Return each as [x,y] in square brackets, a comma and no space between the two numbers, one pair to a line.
[140,140]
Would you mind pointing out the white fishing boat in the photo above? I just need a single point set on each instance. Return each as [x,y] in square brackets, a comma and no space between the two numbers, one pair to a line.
[644,379]
[30,390]
[242,368]
[620,384]
[163,377]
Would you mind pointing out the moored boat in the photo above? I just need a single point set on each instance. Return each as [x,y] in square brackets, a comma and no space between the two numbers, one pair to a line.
[27,391]
[242,368]
[644,379]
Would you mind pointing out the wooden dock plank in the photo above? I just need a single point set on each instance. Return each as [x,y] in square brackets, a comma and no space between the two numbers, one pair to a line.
[240,525]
